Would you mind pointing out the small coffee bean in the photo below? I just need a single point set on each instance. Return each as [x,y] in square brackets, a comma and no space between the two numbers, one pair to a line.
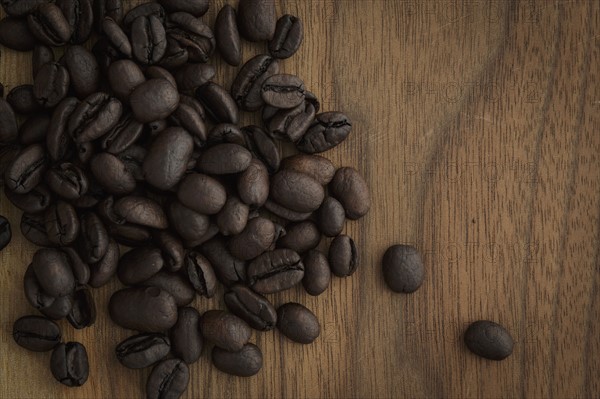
[60,308]
[84,70]
[489,340]
[122,136]
[94,117]
[168,379]
[296,191]
[253,184]
[5,232]
[228,269]
[117,37]
[300,237]
[33,228]
[58,142]
[102,271]
[200,273]
[148,39]
[319,168]
[51,84]
[403,268]
[22,100]
[286,213]
[350,188]
[147,309]
[9,131]
[244,363]
[67,181]
[202,193]
[83,313]
[343,256]
[218,103]
[232,219]
[275,271]
[124,76]
[247,86]
[53,272]
[328,130]
[69,364]
[257,19]
[80,16]
[175,284]
[253,308]
[189,224]
[107,8]
[283,91]
[144,10]
[112,174]
[142,211]
[331,217]
[287,38]
[16,35]
[139,264]
[237,158]
[33,290]
[93,239]
[317,274]
[255,239]
[263,147]
[191,120]
[171,249]
[186,340]
[62,223]
[142,350]
[49,25]
[193,35]
[195,7]
[227,36]
[225,330]
[153,100]
[298,323]
[167,158]
[36,333]
[191,76]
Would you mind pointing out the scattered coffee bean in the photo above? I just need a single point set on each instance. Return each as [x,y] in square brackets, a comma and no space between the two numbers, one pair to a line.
[227,36]
[168,379]
[489,340]
[350,188]
[147,309]
[186,340]
[175,284]
[317,273]
[83,312]
[287,38]
[275,271]
[257,19]
[143,350]
[343,256]
[297,323]
[16,35]
[253,308]
[36,333]
[300,237]
[22,100]
[200,273]
[403,268]
[244,363]
[69,364]
[331,217]
[225,330]
[328,130]
[49,25]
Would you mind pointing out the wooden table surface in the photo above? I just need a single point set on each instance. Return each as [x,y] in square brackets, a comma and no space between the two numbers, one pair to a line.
[477,126]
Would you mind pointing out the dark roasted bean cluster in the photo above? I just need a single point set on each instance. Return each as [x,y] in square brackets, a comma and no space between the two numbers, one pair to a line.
[132,144]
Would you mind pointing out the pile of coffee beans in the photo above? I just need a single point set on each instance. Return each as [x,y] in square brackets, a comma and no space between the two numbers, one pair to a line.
[132,144]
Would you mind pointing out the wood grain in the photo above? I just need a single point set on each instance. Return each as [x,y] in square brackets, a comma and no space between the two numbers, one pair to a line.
[477,127]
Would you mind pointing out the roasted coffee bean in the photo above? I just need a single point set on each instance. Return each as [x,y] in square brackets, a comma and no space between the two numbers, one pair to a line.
[169,379]
[62,223]
[105,54]
[37,200]
[232,219]
[102,271]
[142,350]
[193,35]
[147,309]
[253,184]
[403,268]
[19,8]
[171,249]
[228,36]
[34,129]
[226,133]
[275,271]
[287,38]
[200,273]
[117,37]
[283,91]
[244,363]
[317,274]
[83,313]
[22,100]
[8,153]
[296,191]
[191,76]
[289,124]
[67,180]
[253,308]
[247,86]
[94,117]
[489,340]
[58,141]
[175,284]
[81,270]
[60,308]
[144,10]
[139,264]
[285,213]
[154,99]
[186,340]
[263,147]
[9,130]
[255,239]
[5,232]
[69,364]
[124,76]
[91,198]
[49,25]
[51,84]
[148,39]
[189,119]
[16,35]
[343,256]
[229,270]
[224,159]
[225,330]
[112,174]
[300,237]
[175,56]
[41,55]
[133,158]
[83,69]
[34,292]
[218,103]
[142,211]
[257,19]
[33,228]
[53,272]
[27,170]
[93,238]
[297,323]
[167,158]
[195,7]
[193,103]
[36,333]
[80,16]
[350,188]
[328,130]
[202,193]
[211,232]
[331,217]
[189,224]
[319,168]
[122,136]
[112,9]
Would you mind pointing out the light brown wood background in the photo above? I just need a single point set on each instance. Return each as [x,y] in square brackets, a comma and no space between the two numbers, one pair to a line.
[477,125]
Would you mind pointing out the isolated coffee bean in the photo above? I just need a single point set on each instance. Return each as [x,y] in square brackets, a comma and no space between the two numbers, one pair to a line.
[253,308]
[142,211]
[36,333]
[255,239]
[8,123]
[83,69]
[244,363]
[193,35]
[287,38]
[300,237]
[49,25]
[51,84]
[5,232]
[350,188]
[403,268]
[328,130]
[62,223]
[297,323]
[175,284]
[147,309]
[148,39]
[93,239]
[343,256]
[69,364]
[53,272]
[83,313]
[186,340]
[19,8]
[80,16]
[296,191]
[331,217]
[225,330]
[247,86]
[227,36]
[191,76]
[283,91]
[195,7]
[16,35]
[202,193]
[275,271]
[34,129]
[319,168]
[102,271]
[317,274]
[139,264]
[257,19]
[285,213]
[253,184]
[67,181]
[232,219]
[218,103]
[189,224]
[228,269]
[22,100]
[153,100]
[94,117]
[489,340]
[112,174]
[142,350]
[200,273]
[168,379]
[263,147]
[33,228]
[117,37]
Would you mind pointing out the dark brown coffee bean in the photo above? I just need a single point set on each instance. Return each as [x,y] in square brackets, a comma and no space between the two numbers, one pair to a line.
[232,219]
[253,184]
[283,91]
[257,19]
[200,273]
[37,200]
[124,76]
[15,34]
[331,217]
[275,271]
[300,237]
[122,136]
[49,25]
[285,213]
[225,330]
[317,274]
[81,270]
[8,123]
[229,270]
[34,292]
[287,38]
[263,147]
[403,268]
[176,56]
[319,168]
[244,363]
[175,284]
[195,7]
[171,249]
[256,238]
[139,264]
[34,129]
[224,159]
[191,76]
[60,308]
[289,124]
[298,323]
[33,228]
[53,272]
[328,130]
[154,99]
[186,340]
[253,308]
[189,224]
[147,309]
[112,174]
[26,170]
[51,84]
[148,39]
[83,70]
[192,35]
[142,350]
[22,100]
[227,36]
[19,8]
[489,340]
[169,379]
[296,191]
[62,223]
[102,271]
[117,37]
[202,193]
[167,158]
[69,364]
[93,238]
[67,181]
[189,119]
[58,141]
[36,333]
[80,16]
[143,211]
[247,86]
[218,103]
[343,256]
[94,117]
[83,313]
[107,8]
[350,188]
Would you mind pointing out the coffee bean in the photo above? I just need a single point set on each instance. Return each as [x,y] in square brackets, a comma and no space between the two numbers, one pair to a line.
[69,364]
[189,119]
[287,38]
[191,76]
[34,129]
[8,123]
[289,124]
[283,91]
[124,76]
[226,133]
[218,103]
[142,211]
[253,184]
[93,239]
[285,213]
[22,100]
[317,274]
[58,141]
[257,19]
[143,350]
[343,256]
[16,35]
[62,223]
[300,237]
[33,228]
[189,224]
[168,379]
[228,269]
[263,146]
[200,273]
[296,191]
[175,284]
[225,330]
[328,130]
[350,188]
[154,99]
[36,333]
[139,264]
[224,159]
[80,16]
[53,272]
[102,271]
[202,193]
[227,36]
[81,270]
[193,35]
[112,174]
[94,117]
[253,308]
[5,232]
[83,69]
[255,239]
[275,271]
[49,25]
[147,309]
[489,340]
[33,290]
[67,181]
[144,10]
[331,217]
[319,168]
[247,86]
[403,268]
[148,39]
[195,7]
[41,55]
[186,340]
[19,8]
[167,158]
[117,37]
[298,323]
[51,84]
[83,313]
[232,219]
[122,136]
[171,249]
[244,363]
